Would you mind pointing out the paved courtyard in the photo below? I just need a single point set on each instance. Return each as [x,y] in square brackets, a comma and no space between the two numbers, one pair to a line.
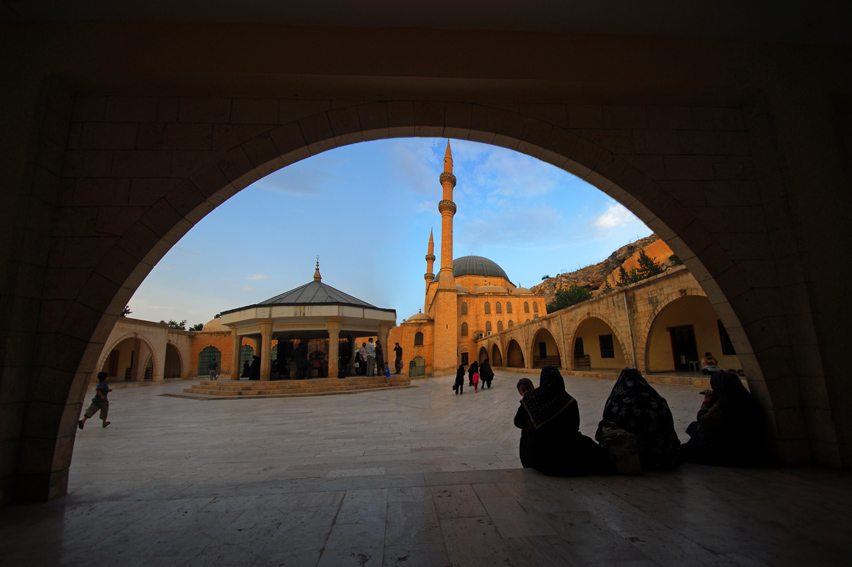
[411,477]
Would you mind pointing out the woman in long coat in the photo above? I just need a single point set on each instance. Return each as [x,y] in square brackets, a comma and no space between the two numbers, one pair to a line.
[458,386]
[729,429]
[633,405]
[472,369]
[485,373]
[555,445]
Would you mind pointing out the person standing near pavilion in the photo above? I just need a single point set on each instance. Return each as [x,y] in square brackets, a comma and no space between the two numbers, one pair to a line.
[398,360]
[362,356]
[380,357]
[371,357]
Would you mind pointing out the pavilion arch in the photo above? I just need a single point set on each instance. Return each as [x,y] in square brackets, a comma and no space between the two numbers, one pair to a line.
[123,261]
[514,355]
[104,359]
[544,349]
[496,355]
[680,332]
[590,329]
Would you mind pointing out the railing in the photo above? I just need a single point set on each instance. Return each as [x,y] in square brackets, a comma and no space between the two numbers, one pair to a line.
[541,361]
[582,362]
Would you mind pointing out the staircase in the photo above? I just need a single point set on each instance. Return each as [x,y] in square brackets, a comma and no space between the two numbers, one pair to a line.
[221,389]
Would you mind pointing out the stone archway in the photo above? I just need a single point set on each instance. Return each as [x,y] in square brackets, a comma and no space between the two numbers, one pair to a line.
[602,323]
[152,352]
[544,349]
[178,200]
[514,355]
[496,355]
[174,366]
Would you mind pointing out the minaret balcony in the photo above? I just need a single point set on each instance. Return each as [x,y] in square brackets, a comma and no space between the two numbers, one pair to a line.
[446,205]
[448,177]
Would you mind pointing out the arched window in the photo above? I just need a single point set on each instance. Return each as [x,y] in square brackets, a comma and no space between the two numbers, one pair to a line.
[205,357]
[499,308]
[487,308]
[418,338]
[464,308]
[535,307]
[464,330]
[526,307]
[488,326]
[499,326]
[511,324]
[508,307]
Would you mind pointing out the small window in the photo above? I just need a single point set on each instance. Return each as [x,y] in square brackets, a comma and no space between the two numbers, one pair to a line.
[488,326]
[499,326]
[464,308]
[464,358]
[535,307]
[607,349]
[508,307]
[526,307]
[511,324]
[487,308]
[464,329]
[727,345]
[499,308]
[536,315]
[418,338]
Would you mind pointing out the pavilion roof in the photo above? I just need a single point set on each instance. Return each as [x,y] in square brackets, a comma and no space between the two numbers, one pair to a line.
[313,293]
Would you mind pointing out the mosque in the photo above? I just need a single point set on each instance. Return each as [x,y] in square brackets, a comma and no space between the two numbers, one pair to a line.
[469,298]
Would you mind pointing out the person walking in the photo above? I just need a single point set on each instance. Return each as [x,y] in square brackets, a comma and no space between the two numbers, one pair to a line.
[459,385]
[397,363]
[371,357]
[213,366]
[100,403]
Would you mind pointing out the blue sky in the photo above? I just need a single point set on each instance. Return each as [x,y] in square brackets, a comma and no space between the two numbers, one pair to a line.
[366,210]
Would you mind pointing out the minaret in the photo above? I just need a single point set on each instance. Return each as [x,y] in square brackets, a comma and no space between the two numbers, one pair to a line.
[429,276]
[445,307]
[448,209]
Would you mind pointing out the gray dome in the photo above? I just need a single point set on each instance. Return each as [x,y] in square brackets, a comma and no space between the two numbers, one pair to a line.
[477,266]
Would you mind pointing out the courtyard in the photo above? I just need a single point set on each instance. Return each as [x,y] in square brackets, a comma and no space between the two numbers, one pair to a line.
[411,477]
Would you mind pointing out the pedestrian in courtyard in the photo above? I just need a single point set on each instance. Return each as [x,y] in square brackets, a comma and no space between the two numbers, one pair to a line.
[213,367]
[525,386]
[371,357]
[380,356]
[246,370]
[100,403]
[387,373]
[475,382]
[398,360]
[362,357]
[729,428]
[459,384]
[635,407]
[472,369]
[556,446]
[486,374]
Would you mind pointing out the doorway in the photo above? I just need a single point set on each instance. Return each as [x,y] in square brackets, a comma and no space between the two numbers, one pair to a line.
[684,348]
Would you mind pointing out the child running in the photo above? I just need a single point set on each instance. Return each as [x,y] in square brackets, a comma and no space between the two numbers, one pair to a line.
[475,382]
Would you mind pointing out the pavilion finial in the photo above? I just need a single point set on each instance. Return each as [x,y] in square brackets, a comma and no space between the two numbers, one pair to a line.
[317,276]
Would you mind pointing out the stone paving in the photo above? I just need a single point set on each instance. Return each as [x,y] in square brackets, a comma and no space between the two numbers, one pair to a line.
[411,477]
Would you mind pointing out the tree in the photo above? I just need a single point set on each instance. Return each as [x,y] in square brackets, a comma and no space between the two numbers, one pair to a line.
[217,315]
[545,278]
[568,297]
[675,260]
[175,325]
[648,267]
[607,287]
[623,278]
[197,327]
[126,311]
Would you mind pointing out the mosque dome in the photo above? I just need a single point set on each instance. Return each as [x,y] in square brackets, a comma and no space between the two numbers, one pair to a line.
[418,317]
[477,266]
[214,325]
[461,289]
[490,289]
[522,291]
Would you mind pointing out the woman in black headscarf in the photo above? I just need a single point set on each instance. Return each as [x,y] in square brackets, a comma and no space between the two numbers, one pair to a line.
[472,369]
[458,386]
[729,430]
[485,373]
[555,445]
[633,405]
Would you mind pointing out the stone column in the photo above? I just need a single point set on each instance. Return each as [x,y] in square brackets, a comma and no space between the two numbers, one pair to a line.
[265,347]
[235,364]
[333,325]
[384,331]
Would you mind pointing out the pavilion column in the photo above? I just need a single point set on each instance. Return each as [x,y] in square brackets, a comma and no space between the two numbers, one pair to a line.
[384,330]
[235,361]
[333,325]
[265,348]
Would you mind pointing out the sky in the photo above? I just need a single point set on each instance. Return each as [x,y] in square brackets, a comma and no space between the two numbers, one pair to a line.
[366,210]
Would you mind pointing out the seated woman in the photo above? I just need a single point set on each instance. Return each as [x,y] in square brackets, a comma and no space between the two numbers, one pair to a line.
[729,430]
[708,364]
[633,405]
[554,444]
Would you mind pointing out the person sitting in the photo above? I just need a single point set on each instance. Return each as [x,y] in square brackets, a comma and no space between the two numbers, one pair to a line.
[556,447]
[729,429]
[709,364]
[634,406]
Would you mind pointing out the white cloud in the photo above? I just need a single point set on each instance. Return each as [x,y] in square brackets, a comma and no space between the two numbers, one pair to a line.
[256,277]
[616,216]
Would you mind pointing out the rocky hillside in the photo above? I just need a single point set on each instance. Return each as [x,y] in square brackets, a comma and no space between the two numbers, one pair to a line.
[592,277]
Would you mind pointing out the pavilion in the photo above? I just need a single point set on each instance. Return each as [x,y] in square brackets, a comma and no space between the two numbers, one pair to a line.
[312,311]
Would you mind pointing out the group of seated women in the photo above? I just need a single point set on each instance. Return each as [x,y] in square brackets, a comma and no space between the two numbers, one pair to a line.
[728,430]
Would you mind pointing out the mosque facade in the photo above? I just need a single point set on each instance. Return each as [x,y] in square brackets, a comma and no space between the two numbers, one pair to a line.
[469,299]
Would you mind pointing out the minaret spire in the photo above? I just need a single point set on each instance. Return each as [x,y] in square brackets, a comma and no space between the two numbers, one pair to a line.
[448,209]
[317,276]
[430,262]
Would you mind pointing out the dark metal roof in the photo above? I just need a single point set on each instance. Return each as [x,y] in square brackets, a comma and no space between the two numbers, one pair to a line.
[313,293]
[477,266]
